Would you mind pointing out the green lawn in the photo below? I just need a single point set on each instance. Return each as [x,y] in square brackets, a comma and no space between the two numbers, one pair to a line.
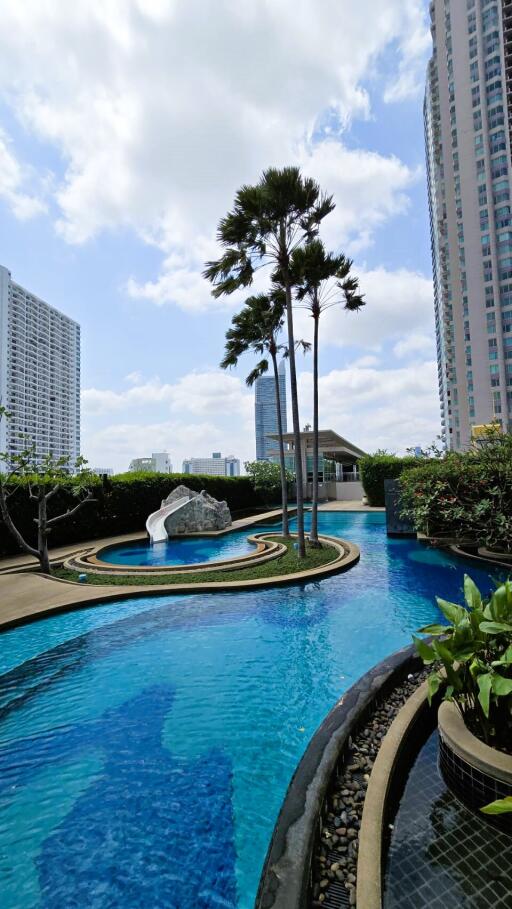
[288,563]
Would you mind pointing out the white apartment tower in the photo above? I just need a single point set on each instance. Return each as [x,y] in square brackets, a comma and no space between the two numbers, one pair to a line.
[39,374]
[469,185]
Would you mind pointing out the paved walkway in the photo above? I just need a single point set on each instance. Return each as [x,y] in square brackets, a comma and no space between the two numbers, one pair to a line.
[25,593]
[60,553]
[347,506]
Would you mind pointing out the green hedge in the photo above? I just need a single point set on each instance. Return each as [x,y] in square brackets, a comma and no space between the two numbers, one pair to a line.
[376,468]
[466,497]
[123,505]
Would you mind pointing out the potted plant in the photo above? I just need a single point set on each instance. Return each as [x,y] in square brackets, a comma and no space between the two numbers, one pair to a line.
[472,669]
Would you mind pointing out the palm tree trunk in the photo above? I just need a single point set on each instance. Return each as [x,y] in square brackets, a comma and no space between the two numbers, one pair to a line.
[282,465]
[313,536]
[296,424]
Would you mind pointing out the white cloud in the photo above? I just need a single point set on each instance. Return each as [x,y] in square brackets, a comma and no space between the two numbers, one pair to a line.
[160,110]
[398,304]
[13,180]
[414,50]
[199,413]
[369,403]
[415,346]
[378,407]
[198,393]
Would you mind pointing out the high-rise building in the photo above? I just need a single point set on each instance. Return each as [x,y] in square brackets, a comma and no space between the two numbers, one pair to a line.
[216,466]
[467,132]
[39,374]
[159,462]
[265,413]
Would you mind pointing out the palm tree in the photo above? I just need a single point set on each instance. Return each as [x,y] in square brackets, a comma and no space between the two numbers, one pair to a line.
[322,280]
[268,222]
[256,327]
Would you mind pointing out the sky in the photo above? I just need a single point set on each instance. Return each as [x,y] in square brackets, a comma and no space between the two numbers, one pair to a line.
[126,128]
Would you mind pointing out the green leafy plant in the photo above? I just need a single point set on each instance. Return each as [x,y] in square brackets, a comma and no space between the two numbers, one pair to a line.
[464,496]
[500,806]
[375,468]
[474,654]
[42,478]
[266,476]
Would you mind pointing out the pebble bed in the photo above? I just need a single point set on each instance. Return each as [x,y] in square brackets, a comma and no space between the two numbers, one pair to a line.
[334,865]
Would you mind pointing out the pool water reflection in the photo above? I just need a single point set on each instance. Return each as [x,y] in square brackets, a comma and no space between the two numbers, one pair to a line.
[146,745]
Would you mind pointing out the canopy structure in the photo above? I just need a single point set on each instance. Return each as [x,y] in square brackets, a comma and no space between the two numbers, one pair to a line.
[337,463]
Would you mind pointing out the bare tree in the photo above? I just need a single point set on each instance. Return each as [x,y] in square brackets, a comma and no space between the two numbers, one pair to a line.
[41,479]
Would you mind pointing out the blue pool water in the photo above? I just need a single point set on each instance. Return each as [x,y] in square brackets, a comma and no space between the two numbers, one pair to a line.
[181,552]
[146,745]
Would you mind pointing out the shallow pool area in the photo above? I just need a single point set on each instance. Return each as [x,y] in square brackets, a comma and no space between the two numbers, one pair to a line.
[146,745]
[186,551]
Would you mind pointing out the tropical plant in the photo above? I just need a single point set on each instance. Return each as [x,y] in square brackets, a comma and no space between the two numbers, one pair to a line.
[268,222]
[256,327]
[44,478]
[465,496]
[500,806]
[475,655]
[266,476]
[375,468]
[322,280]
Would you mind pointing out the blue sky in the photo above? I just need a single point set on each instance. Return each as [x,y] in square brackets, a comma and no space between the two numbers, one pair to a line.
[126,129]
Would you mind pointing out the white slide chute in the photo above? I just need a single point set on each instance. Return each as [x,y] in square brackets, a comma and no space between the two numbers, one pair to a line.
[155,524]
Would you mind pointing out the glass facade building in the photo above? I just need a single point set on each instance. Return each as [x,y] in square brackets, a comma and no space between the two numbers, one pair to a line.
[467,137]
[265,413]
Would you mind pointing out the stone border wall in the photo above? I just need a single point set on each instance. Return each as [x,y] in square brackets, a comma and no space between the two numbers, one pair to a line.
[286,876]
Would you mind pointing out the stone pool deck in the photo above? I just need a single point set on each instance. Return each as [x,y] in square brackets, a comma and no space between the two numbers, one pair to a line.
[26,595]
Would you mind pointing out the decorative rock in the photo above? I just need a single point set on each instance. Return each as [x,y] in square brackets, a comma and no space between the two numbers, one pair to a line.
[202,512]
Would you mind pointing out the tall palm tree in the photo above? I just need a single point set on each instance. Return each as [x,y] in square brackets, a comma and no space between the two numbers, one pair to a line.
[268,222]
[322,280]
[256,327]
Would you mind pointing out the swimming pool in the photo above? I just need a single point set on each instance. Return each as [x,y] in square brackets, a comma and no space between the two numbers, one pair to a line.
[146,746]
[188,551]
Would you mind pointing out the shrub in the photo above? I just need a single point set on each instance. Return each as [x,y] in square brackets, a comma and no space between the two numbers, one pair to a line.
[466,497]
[475,651]
[122,505]
[376,468]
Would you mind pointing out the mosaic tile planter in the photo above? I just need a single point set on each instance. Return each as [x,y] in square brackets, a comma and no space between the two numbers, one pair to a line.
[475,773]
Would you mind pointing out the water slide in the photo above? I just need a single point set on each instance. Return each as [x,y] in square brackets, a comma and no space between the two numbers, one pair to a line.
[155,524]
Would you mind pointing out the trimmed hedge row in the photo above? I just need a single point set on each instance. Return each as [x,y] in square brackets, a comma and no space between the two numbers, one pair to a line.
[376,468]
[466,497]
[123,503]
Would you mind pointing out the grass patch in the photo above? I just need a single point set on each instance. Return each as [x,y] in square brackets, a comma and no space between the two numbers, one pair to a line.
[288,563]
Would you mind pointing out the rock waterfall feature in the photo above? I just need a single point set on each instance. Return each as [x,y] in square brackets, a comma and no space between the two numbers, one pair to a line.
[186,511]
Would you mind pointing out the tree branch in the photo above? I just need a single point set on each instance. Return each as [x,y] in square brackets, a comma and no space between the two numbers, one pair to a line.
[71,511]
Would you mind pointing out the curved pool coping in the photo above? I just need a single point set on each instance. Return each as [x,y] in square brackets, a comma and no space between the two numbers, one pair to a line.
[264,551]
[285,879]
[64,596]
[370,857]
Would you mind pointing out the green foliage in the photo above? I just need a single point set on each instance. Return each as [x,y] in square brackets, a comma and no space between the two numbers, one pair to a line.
[122,504]
[288,563]
[475,653]
[376,468]
[500,806]
[266,476]
[466,497]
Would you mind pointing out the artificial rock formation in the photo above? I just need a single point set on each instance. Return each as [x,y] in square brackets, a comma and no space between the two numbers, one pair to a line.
[201,512]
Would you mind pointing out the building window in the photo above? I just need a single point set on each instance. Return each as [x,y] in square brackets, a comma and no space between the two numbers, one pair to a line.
[495,117]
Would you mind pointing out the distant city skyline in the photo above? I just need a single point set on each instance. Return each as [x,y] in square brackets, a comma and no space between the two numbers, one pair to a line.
[216,466]
[265,412]
[158,462]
